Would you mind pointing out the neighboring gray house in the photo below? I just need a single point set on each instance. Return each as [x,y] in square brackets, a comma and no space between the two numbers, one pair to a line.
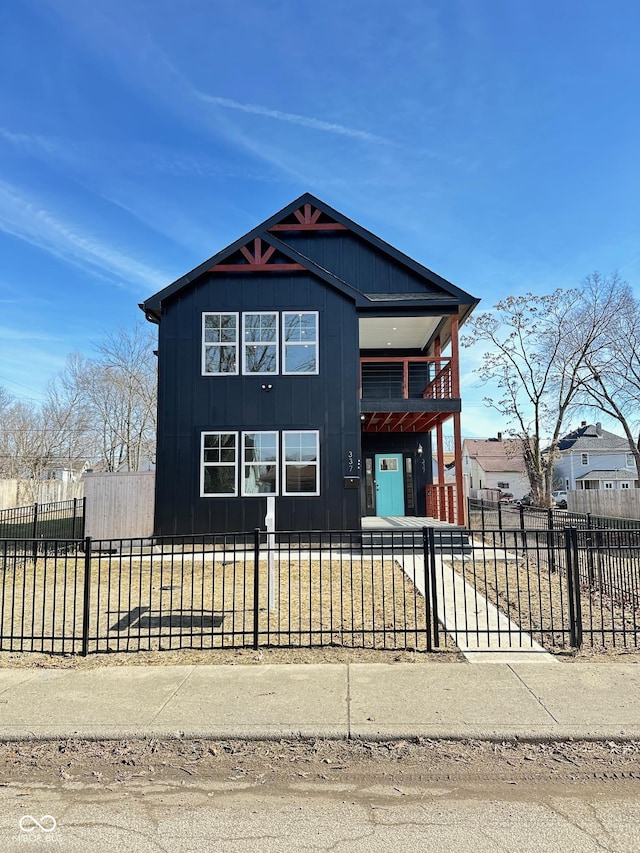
[593,458]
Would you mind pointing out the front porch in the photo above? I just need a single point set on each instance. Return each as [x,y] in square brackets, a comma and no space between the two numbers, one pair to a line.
[404,522]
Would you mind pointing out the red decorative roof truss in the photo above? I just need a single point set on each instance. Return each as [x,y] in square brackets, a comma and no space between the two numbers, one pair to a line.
[257,256]
[308,218]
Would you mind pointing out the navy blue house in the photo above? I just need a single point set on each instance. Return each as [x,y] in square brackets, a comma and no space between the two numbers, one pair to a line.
[305,361]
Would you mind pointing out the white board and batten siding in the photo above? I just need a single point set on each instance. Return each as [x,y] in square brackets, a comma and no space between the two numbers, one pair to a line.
[119,505]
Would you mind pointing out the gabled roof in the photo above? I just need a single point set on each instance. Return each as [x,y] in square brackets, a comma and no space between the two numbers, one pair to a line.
[310,213]
[592,437]
[616,474]
[494,455]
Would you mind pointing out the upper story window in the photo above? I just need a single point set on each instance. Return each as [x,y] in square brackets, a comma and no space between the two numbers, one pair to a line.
[271,342]
[584,458]
[300,341]
[219,343]
[260,342]
[631,462]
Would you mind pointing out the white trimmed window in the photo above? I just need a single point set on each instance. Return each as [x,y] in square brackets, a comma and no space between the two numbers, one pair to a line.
[301,470]
[219,456]
[300,342]
[260,342]
[631,462]
[259,463]
[625,484]
[584,458]
[219,343]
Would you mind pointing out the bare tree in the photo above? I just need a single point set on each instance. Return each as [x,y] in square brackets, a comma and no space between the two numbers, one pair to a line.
[538,365]
[6,458]
[612,381]
[116,391]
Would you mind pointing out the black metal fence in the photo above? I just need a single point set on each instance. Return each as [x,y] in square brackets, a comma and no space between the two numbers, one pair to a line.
[59,520]
[407,589]
[502,515]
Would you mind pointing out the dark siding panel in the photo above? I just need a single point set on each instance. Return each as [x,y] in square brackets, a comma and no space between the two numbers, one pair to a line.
[191,403]
[356,262]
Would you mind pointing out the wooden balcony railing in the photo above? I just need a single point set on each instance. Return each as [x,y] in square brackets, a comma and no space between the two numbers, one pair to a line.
[406,378]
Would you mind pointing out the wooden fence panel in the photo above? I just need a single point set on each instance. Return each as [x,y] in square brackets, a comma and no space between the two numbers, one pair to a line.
[119,506]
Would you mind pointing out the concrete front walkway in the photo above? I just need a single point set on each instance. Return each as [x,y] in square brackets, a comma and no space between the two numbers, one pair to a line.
[481,632]
[366,701]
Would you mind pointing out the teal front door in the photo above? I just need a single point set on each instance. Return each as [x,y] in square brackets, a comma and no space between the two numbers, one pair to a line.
[389,484]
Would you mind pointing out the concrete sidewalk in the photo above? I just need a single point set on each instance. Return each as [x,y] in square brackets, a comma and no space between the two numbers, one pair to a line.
[365,701]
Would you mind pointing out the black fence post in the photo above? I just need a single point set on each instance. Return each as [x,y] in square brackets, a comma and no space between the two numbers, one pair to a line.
[576,587]
[551,545]
[86,597]
[573,586]
[569,557]
[73,522]
[428,590]
[590,548]
[256,586]
[499,516]
[482,513]
[429,550]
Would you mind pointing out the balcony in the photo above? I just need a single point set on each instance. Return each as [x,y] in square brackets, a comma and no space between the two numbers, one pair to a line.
[403,394]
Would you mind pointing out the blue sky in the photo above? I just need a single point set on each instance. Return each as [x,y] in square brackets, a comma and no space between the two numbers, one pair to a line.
[496,141]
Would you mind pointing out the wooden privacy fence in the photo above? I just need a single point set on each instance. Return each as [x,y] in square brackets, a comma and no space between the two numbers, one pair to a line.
[119,505]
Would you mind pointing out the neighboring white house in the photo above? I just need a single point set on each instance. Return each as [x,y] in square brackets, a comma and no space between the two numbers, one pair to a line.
[593,458]
[495,463]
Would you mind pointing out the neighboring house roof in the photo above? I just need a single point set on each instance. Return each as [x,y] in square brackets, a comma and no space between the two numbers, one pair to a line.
[438,293]
[592,437]
[617,474]
[495,455]
[448,456]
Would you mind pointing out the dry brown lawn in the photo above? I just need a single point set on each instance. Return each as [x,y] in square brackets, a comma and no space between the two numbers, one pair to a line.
[159,603]
[532,591]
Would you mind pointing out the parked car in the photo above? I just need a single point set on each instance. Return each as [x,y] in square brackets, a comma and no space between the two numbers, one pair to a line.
[526,500]
[560,498]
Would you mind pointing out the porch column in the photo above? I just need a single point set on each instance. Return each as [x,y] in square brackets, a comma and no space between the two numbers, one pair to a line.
[457,431]
[437,351]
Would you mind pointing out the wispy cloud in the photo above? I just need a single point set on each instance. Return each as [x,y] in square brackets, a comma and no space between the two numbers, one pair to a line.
[32,142]
[294,118]
[29,220]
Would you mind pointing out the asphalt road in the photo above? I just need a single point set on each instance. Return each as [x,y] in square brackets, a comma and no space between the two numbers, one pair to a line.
[319,797]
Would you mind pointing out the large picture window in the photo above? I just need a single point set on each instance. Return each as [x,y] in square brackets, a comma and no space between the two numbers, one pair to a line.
[255,459]
[219,344]
[300,341]
[260,463]
[301,471]
[219,464]
[260,342]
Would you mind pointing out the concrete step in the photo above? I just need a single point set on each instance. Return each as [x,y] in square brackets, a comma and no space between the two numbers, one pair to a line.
[447,541]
